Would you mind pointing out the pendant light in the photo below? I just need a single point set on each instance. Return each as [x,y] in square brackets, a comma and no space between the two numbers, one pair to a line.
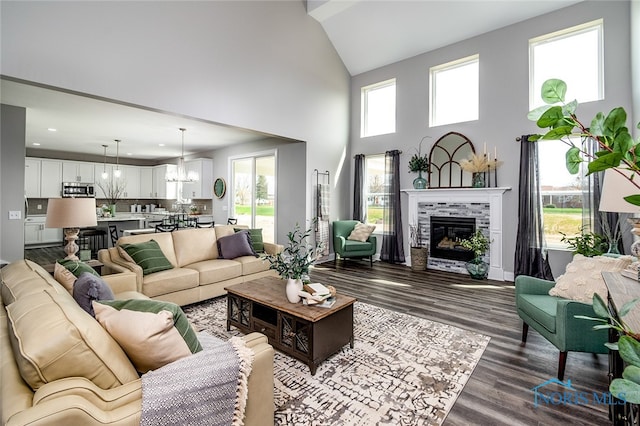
[117,172]
[181,174]
[105,175]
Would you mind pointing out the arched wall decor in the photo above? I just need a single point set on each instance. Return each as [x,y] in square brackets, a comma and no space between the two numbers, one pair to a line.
[444,161]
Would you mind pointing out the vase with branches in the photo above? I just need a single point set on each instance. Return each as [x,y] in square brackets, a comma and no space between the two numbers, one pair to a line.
[113,190]
[419,163]
[419,254]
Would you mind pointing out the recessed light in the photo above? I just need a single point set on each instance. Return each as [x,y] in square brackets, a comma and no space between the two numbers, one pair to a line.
[35,144]
[51,129]
[128,153]
[160,144]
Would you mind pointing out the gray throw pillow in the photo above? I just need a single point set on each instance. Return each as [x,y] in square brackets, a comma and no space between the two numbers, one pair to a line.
[236,245]
[87,288]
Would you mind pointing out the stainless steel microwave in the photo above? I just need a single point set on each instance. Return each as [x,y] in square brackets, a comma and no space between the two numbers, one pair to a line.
[78,190]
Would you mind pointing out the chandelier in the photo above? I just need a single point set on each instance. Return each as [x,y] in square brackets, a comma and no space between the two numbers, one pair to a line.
[180,174]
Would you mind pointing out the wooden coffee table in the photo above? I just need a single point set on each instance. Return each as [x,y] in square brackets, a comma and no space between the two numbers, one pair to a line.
[308,333]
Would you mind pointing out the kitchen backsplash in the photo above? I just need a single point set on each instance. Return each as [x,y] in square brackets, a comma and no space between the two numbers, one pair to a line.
[39,205]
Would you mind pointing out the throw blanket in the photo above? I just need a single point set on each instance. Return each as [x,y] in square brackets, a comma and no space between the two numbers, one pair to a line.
[206,388]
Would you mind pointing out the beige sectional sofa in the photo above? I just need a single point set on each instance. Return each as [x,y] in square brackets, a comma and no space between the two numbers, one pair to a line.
[29,292]
[198,271]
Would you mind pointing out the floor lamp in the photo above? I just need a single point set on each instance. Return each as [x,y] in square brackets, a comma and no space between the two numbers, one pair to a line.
[615,187]
[71,214]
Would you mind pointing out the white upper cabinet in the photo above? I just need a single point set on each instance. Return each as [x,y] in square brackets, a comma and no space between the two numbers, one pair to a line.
[203,187]
[78,171]
[161,188]
[146,182]
[51,183]
[130,177]
[32,177]
[42,178]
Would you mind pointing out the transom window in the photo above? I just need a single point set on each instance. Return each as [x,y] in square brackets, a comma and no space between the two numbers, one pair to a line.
[573,55]
[378,108]
[454,91]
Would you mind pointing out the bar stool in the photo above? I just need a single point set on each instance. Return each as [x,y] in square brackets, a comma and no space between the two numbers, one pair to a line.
[96,237]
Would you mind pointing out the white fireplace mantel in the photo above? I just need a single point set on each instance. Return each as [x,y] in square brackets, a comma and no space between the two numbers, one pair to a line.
[493,196]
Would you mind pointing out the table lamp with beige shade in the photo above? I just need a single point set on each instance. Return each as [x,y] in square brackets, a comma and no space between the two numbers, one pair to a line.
[615,187]
[71,214]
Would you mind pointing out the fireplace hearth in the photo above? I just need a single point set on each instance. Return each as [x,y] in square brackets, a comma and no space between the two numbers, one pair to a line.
[446,234]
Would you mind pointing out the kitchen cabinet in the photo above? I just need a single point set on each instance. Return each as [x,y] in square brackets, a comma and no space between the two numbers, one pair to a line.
[161,188]
[42,178]
[131,178]
[36,233]
[203,187]
[32,177]
[78,171]
[51,178]
[146,182]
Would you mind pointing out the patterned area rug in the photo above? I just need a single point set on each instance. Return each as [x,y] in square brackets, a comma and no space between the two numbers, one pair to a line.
[403,370]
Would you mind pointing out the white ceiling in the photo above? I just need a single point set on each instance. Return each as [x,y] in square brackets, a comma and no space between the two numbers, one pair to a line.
[84,124]
[367,34]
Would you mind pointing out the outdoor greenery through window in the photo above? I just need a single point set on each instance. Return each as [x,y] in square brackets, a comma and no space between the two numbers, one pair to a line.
[553,56]
[375,191]
[254,193]
[562,195]
[454,91]
[378,108]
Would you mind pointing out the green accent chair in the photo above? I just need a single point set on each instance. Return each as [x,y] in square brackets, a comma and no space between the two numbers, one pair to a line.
[348,248]
[554,318]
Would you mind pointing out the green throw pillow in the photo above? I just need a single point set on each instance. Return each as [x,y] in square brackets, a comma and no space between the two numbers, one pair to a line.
[149,256]
[256,238]
[180,321]
[77,267]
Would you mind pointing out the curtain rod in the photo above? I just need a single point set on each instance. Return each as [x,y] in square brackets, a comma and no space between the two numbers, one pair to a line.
[382,153]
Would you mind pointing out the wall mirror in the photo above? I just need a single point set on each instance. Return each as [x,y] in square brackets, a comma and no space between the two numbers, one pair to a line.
[444,161]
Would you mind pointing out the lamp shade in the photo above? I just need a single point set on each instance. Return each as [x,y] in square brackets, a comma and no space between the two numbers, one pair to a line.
[71,213]
[614,188]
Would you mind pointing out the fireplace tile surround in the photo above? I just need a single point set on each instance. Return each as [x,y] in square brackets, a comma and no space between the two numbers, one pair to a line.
[483,204]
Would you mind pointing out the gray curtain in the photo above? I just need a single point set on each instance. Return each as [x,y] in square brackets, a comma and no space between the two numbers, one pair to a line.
[359,204]
[531,257]
[392,243]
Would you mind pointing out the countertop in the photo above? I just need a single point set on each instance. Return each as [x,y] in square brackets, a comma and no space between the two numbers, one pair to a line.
[122,217]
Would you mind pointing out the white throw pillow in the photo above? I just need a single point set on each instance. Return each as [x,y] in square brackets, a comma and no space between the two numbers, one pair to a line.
[361,232]
[583,277]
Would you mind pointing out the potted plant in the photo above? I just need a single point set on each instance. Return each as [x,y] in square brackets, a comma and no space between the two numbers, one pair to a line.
[478,244]
[617,150]
[616,147]
[588,244]
[418,164]
[478,166]
[294,261]
[419,254]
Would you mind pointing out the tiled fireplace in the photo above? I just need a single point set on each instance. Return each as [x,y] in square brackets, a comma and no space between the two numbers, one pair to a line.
[447,215]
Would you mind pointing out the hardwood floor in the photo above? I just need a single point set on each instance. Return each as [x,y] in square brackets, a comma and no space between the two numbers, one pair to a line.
[500,390]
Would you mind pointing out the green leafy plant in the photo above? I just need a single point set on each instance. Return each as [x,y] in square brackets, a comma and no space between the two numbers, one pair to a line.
[296,258]
[477,243]
[588,244]
[626,388]
[418,162]
[616,147]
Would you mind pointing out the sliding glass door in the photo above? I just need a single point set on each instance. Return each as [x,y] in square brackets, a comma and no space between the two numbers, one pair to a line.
[254,192]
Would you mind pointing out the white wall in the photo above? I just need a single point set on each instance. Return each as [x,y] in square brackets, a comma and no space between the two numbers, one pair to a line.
[262,65]
[635,64]
[503,94]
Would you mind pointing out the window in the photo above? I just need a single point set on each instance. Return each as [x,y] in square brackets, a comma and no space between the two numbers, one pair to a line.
[375,192]
[554,56]
[563,195]
[254,193]
[454,91]
[378,108]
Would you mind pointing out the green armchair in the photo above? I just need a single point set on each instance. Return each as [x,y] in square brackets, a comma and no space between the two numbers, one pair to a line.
[348,248]
[554,318]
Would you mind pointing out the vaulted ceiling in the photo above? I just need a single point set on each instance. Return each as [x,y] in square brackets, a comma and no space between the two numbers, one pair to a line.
[367,34]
